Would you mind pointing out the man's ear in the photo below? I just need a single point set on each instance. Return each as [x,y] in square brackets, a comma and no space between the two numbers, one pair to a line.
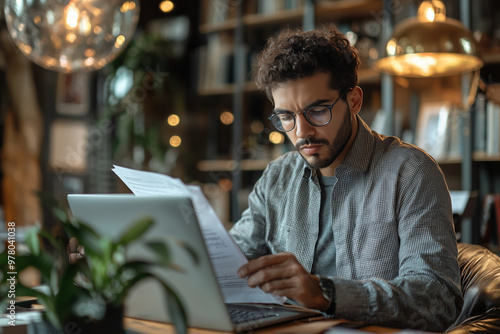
[355,99]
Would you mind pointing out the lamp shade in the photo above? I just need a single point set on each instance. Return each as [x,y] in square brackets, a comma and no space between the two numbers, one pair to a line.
[420,48]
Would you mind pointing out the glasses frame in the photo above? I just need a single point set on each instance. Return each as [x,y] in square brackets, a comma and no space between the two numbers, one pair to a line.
[294,115]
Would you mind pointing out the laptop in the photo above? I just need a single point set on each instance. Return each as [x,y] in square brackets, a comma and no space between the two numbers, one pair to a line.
[196,285]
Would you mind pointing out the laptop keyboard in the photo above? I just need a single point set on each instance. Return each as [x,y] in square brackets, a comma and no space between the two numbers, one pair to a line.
[243,315]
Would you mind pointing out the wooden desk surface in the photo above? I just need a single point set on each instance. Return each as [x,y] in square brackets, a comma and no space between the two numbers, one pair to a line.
[136,326]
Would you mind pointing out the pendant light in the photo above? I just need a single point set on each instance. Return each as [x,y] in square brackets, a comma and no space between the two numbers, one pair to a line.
[71,35]
[430,45]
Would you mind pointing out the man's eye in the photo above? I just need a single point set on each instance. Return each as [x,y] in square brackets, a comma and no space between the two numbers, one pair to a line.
[285,117]
[317,110]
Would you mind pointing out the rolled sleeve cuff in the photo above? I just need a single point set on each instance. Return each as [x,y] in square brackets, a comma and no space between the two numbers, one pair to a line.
[351,299]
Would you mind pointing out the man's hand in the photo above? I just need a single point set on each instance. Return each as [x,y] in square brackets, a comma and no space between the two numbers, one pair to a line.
[75,251]
[283,275]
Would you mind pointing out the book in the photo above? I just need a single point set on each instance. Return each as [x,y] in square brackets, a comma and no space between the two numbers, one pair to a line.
[490,223]
[480,124]
[492,130]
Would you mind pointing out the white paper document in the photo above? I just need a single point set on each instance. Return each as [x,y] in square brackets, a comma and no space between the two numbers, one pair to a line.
[225,255]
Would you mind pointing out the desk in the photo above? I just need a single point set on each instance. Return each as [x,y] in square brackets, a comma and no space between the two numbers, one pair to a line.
[136,326]
[139,326]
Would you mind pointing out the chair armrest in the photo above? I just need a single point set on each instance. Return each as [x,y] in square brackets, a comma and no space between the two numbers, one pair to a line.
[488,322]
[480,280]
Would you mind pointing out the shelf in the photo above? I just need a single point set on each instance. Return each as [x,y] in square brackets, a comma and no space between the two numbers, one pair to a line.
[483,157]
[226,89]
[477,157]
[366,76]
[218,27]
[491,56]
[449,161]
[284,16]
[347,9]
[331,10]
[230,165]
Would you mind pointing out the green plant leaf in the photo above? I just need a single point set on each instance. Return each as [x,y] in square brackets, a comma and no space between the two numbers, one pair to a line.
[53,242]
[135,231]
[189,249]
[60,214]
[161,250]
[54,279]
[176,309]
[46,300]
[87,237]
[136,266]
[42,262]
[130,284]
[32,240]
[68,294]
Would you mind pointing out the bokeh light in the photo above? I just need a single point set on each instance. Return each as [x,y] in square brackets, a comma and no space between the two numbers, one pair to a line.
[276,137]
[173,120]
[175,141]
[227,118]
[166,6]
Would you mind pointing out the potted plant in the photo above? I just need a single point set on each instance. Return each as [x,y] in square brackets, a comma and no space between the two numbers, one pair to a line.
[90,293]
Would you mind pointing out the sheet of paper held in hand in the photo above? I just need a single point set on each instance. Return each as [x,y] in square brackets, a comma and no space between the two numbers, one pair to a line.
[225,255]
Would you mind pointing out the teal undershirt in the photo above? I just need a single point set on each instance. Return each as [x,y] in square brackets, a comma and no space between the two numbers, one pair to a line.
[324,253]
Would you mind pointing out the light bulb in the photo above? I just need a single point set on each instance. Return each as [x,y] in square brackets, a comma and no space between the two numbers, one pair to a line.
[431,11]
[71,35]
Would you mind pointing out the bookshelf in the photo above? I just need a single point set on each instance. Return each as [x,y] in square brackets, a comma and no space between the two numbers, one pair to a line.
[239,34]
[233,33]
[476,167]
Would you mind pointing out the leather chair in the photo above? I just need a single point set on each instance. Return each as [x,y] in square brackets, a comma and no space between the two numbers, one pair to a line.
[480,278]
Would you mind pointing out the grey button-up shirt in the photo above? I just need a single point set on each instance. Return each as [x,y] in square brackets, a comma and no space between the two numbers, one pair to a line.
[396,252]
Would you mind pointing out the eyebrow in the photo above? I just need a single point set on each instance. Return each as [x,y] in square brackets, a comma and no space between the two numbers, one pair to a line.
[315,103]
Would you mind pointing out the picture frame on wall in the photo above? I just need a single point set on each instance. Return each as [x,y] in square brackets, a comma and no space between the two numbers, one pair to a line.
[68,147]
[73,94]
[433,131]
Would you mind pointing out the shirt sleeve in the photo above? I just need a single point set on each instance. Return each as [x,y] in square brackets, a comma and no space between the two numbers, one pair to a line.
[426,293]
[249,232]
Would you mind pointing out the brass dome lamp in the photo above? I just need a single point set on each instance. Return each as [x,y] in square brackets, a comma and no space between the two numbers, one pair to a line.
[430,45]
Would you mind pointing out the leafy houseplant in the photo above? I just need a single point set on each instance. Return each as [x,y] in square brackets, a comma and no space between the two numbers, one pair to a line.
[90,293]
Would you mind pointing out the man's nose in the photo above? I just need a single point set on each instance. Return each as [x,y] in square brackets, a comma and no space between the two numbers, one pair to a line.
[302,127]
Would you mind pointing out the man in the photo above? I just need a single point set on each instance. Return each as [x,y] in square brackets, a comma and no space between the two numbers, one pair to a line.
[355,224]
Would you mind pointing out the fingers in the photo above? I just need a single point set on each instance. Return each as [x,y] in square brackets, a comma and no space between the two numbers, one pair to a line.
[73,245]
[75,250]
[73,257]
[283,275]
[274,272]
[266,261]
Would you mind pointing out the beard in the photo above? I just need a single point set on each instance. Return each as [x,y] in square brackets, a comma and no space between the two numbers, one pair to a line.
[334,148]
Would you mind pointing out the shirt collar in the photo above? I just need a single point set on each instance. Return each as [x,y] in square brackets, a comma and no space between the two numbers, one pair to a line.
[359,156]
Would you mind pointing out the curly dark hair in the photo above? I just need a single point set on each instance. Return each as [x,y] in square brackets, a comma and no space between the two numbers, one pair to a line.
[294,54]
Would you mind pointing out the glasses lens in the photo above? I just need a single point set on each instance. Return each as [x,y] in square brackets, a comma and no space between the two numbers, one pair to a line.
[318,115]
[283,122]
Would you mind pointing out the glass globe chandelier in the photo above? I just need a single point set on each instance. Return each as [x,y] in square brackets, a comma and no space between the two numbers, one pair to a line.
[71,35]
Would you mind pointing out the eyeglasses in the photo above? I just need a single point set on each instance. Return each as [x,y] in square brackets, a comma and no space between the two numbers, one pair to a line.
[319,115]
